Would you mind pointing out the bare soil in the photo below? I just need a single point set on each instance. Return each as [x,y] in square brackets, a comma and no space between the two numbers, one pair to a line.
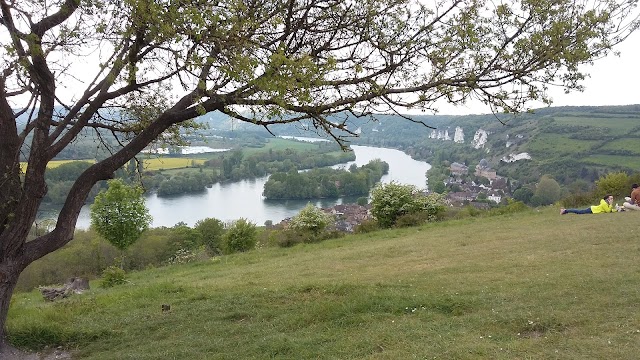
[11,353]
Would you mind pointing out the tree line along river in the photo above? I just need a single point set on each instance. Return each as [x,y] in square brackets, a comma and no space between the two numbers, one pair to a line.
[243,199]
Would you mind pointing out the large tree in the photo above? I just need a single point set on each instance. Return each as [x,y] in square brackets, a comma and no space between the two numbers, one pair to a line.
[137,69]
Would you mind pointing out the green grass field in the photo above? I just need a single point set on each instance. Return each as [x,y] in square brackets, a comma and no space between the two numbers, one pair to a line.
[155,163]
[282,144]
[618,126]
[533,285]
[189,170]
[558,144]
[632,162]
[626,144]
[551,145]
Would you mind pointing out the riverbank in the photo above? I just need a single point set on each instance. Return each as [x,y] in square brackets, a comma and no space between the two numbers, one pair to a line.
[230,201]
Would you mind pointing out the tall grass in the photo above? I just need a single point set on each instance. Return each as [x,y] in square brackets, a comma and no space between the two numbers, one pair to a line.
[531,285]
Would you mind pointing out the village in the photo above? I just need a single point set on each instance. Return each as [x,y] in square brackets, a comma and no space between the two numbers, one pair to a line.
[491,191]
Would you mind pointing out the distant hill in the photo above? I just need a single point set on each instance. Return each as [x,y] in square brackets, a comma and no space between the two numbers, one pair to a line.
[568,142]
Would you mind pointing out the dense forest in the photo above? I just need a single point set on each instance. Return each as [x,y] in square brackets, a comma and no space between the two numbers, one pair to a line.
[325,182]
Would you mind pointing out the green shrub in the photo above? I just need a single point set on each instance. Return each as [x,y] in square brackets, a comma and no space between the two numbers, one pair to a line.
[390,201]
[547,191]
[512,206]
[291,237]
[523,194]
[211,231]
[616,184]
[330,234]
[468,211]
[311,219]
[86,255]
[578,199]
[184,237]
[287,238]
[413,219]
[112,276]
[633,179]
[184,256]
[155,247]
[456,213]
[241,236]
[366,226]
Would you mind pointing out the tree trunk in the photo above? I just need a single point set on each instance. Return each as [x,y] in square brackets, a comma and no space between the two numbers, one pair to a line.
[9,274]
[15,252]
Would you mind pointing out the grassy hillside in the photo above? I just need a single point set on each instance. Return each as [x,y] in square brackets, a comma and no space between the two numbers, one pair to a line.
[532,285]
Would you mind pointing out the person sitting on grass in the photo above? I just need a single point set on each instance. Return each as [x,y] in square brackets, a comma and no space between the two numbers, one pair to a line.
[605,206]
[633,201]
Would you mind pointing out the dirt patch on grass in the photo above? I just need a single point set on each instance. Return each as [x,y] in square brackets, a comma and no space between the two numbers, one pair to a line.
[11,353]
[535,330]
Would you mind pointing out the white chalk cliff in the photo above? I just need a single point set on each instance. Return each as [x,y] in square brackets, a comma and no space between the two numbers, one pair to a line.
[458,137]
[479,139]
[515,157]
[440,134]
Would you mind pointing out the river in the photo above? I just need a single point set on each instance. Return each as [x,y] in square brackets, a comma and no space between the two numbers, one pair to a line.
[243,199]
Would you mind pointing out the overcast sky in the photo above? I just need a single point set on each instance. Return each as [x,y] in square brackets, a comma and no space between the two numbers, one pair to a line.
[614,81]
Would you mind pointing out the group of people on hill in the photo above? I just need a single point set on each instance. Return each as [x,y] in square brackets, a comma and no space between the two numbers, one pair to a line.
[606,204]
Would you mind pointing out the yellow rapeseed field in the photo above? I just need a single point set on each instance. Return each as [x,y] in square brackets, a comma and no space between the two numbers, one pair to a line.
[149,164]
[53,163]
[170,163]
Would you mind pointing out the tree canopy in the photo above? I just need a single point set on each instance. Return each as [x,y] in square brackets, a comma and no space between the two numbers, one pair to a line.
[119,214]
[547,191]
[130,72]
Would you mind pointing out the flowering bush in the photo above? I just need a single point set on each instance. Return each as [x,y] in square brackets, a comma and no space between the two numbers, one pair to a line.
[311,219]
[183,256]
[390,201]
